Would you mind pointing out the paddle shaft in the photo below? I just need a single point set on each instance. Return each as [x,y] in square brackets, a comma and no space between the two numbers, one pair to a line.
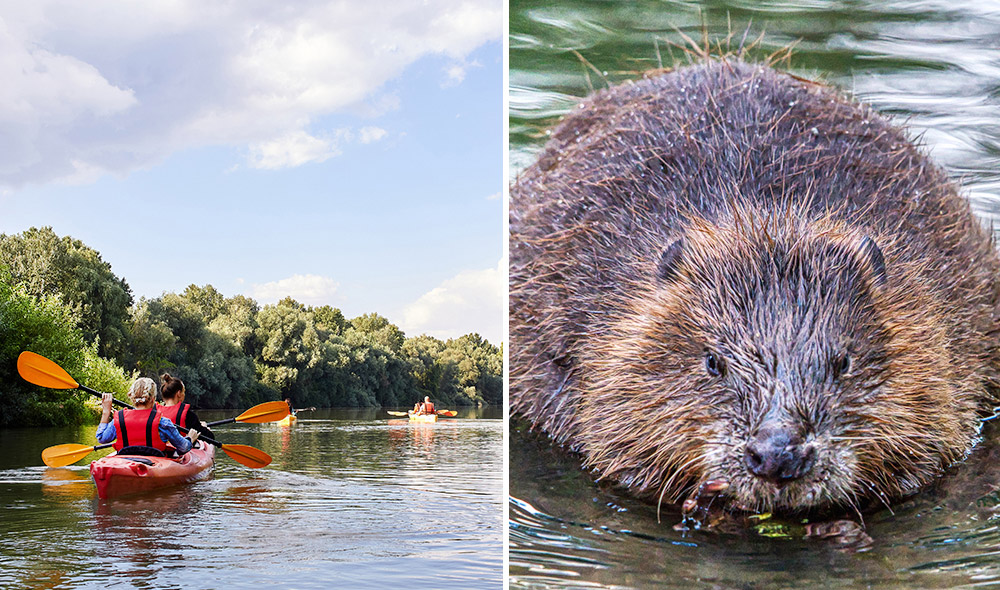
[221,422]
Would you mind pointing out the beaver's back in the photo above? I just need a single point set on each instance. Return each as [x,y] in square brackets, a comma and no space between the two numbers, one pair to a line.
[625,172]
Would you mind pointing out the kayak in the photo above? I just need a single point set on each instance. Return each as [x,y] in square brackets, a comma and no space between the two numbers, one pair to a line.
[121,475]
[423,418]
[287,420]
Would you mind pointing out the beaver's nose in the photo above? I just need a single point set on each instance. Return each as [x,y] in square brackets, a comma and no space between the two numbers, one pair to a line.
[778,455]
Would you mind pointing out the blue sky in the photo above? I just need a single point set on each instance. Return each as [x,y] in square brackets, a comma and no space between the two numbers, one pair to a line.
[340,153]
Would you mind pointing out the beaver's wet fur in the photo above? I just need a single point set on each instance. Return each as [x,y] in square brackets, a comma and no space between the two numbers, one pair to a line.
[724,273]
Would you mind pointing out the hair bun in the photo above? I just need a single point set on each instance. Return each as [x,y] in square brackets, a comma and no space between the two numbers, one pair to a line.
[166,378]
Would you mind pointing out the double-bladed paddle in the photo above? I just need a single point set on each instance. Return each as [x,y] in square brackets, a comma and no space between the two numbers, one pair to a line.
[448,413]
[259,414]
[36,369]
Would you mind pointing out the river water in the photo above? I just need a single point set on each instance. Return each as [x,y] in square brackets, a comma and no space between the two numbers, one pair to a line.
[933,65]
[352,499]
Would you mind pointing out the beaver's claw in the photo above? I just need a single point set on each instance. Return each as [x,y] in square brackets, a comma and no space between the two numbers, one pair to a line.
[700,509]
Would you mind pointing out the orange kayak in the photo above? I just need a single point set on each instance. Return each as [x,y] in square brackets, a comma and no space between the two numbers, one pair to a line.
[121,475]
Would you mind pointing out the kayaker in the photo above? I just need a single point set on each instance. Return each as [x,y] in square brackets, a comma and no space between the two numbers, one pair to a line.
[291,410]
[176,409]
[428,406]
[134,428]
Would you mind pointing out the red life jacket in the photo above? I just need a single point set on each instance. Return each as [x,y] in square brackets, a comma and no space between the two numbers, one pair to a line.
[428,408]
[138,427]
[176,413]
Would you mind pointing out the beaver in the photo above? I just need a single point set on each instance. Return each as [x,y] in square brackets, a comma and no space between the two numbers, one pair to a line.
[724,275]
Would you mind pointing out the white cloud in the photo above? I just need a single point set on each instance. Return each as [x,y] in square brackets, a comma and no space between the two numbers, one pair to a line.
[371,134]
[114,85]
[307,289]
[471,301]
[455,75]
[292,150]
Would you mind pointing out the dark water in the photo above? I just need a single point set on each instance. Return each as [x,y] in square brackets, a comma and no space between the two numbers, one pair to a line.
[353,499]
[934,66]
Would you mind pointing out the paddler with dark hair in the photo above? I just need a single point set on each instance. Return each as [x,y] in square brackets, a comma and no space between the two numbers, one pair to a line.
[143,427]
[176,409]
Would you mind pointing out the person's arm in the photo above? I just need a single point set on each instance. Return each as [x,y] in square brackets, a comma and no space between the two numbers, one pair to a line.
[169,433]
[106,429]
[106,432]
[192,422]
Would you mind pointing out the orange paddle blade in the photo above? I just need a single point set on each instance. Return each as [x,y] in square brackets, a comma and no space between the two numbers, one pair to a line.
[449,413]
[391,413]
[35,368]
[246,455]
[63,455]
[265,412]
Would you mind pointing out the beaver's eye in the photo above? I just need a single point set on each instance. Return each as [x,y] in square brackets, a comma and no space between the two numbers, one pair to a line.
[842,365]
[714,364]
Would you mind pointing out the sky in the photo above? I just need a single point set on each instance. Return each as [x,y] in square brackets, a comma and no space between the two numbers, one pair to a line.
[342,153]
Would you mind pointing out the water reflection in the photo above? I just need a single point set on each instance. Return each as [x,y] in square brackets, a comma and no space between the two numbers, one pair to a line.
[67,483]
[349,500]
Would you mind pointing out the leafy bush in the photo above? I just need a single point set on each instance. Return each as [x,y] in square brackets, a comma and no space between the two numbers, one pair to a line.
[45,326]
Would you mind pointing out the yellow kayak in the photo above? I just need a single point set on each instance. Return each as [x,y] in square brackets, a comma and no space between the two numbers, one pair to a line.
[287,420]
[423,418]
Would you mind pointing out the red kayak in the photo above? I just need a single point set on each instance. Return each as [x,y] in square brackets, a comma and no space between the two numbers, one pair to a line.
[120,475]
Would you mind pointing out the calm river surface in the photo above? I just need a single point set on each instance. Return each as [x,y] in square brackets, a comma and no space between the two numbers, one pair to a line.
[353,499]
[933,65]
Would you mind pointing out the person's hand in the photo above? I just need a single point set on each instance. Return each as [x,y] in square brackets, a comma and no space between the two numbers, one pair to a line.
[106,399]
[193,435]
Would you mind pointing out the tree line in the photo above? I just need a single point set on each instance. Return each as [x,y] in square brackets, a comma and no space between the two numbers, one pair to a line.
[60,299]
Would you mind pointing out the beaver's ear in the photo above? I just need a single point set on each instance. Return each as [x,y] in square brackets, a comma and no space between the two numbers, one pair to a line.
[670,260]
[872,256]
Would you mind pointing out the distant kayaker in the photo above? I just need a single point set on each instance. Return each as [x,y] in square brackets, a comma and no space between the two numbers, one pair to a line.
[176,409]
[428,407]
[291,410]
[134,428]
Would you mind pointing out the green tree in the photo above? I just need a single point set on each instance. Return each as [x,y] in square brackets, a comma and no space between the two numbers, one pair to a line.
[207,299]
[422,353]
[480,368]
[378,331]
[290,345]
[329,320]
[238,324]
[42,263]
[48,327]
[171,333]
[151,342]
[464,371]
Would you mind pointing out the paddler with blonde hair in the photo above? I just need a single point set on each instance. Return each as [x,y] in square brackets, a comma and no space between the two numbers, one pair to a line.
[144,430]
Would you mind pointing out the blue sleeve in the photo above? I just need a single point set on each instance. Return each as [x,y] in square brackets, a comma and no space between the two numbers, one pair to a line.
[106,432]
[170,434]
